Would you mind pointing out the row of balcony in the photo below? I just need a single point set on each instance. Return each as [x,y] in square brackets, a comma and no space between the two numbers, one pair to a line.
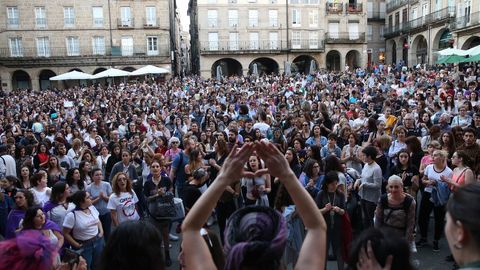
[375,15]
[338,8]
[129,23]
[228,46]
[122,23]
[434,17]
[61,52]
[394,4]
[465,21]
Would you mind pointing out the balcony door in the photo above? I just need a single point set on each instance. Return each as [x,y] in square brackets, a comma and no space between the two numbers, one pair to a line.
[353,31]
[127,46]
[126,16]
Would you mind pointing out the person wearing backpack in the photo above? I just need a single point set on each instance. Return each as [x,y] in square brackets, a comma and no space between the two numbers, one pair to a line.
[7,163]
[396,210]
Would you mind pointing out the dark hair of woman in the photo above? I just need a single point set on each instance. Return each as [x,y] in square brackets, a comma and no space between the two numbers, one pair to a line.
[413,144]
[383,245]
[36,178]
[434,131]
[57,191]
[260,166]
[294,161]
[28,196]
[282,199]
[82,172]
[332,163]
[464,206]
[316,153]
[78,197]
[30,215]
[93,171]
[133,245]
[451,142]
[330,177]
[372,124]
[308,167]
[466,159]
[69,178]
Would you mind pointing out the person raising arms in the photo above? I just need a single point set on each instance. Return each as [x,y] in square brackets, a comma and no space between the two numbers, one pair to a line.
[268,236]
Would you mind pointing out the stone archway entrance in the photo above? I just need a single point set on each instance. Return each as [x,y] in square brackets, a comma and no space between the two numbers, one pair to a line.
[264,65]
[226,67]
[44,78]
[353,59]
[394,52]
[333,60]
[304,64]
[21,80]
[471,42]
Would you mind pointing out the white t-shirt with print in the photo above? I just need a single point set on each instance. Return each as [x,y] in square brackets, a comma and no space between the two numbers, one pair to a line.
[124,204]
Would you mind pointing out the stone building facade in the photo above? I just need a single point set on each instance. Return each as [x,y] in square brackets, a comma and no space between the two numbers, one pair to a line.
[41,39]
[265,36]
[376,11]
[416,29]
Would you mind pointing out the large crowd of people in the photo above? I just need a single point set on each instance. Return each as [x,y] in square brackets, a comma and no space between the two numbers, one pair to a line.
[338,156]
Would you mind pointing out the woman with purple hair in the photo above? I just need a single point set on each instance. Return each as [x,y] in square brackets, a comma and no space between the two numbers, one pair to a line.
[255,236]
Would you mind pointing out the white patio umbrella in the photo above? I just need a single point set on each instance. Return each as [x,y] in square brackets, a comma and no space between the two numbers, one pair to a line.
[149,70]
[452,51]
[473,51]
[72,75]
[111,72]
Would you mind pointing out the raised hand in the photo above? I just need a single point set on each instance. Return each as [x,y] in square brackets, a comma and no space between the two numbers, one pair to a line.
[232,169]
[275,162]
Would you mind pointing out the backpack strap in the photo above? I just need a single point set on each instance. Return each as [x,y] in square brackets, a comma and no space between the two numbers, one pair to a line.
[406,203]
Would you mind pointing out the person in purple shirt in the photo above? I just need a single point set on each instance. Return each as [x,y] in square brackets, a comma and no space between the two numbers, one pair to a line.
[23,200]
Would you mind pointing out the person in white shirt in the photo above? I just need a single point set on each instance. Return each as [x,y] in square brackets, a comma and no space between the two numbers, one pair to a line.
[122,202]
[261,125]
[462,119]
[433,179]
[7,162]
[40,191]
[83,230]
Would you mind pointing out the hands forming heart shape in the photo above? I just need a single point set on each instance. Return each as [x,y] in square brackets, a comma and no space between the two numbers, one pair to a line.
[275,162]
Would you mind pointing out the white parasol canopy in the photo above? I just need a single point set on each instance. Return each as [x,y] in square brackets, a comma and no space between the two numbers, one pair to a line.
[72,75]
[111,72]
[452,51]
[149,70]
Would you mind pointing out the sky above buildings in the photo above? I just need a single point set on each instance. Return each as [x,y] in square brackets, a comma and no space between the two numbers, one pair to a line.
[182,7]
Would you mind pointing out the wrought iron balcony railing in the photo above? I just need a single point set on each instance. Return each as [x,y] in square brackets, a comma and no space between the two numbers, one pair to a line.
[465,21]
[334,8]
[344,37]
[260,46]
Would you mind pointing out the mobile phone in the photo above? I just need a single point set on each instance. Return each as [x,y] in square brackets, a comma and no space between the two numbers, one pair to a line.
[70,256]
